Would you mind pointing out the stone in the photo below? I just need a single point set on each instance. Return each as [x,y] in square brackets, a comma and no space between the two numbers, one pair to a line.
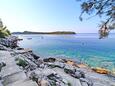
[84,83]
[39,62]
[67,66]
[33,76]
[65,81]
[79,74]
[23,83]
[59,64]
[23,51]
[47,72]
[2,64]
[81,66]
[68,71]
[1,83]
[13,78]
[100,70]
[19,48]
[64,60]
[10,41]
[56,64]
[49,60]
[35,56]
[70,62]
[2,47]
[89,82]
[60,60]
[44,83]
[41,65]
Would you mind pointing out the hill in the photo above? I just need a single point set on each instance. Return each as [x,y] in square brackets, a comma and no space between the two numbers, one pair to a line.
[56,32]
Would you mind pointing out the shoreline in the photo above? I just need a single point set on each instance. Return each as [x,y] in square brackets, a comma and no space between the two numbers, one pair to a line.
[58,71]
[58,56]
[79,61]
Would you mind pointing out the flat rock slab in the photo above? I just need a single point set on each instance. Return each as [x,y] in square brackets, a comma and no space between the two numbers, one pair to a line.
[100,79]
[22,51]
[12,75]
[13,78]
[11,67]
[73,81]
[23,83]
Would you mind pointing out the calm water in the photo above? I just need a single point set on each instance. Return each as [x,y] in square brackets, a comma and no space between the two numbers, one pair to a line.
[86,47]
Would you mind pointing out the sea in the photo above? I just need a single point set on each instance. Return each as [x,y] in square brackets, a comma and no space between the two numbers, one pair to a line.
[86,47]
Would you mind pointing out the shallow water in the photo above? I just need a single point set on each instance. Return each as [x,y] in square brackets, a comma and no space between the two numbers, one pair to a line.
[86,47]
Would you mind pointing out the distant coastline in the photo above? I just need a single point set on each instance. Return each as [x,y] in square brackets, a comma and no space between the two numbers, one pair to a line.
[56,32]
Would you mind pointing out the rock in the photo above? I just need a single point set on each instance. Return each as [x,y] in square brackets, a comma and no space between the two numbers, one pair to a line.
[25,82]
[79,74]
[64,60]
[67,66]
[58,84]
[84,83]
[10,41]
[47,72]
[65,81]
[60,64]
[2,47]
[12,78]
[81,65]
[70,62]
[68,71]
[113,71]
[33,76]
[42,65]
[39,62]
[75,73]
[60,60]
[35,56]
[49,60]
[101,70]
[58,77]
[19,48]
[26,61]
[44,83]
[56,64]
[51,65]
[89,82]
[57,80]
[23,51]
[51,77]
[1,83]
[2,64]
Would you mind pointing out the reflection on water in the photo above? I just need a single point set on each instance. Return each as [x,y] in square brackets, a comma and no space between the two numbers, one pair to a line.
[87,47]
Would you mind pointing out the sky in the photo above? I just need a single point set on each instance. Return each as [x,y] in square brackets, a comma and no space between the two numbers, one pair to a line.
[46,16]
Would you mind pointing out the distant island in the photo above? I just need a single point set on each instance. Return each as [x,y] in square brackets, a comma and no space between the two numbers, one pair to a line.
[56,32]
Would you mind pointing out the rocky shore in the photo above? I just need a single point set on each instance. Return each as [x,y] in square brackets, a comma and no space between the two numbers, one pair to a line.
[21,67]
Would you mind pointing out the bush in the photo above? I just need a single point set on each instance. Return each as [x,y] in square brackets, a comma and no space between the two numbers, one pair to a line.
[3,31]
[22,63]
[69,84]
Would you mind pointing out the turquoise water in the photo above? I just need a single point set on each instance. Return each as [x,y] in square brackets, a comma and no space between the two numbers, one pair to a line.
[86,47]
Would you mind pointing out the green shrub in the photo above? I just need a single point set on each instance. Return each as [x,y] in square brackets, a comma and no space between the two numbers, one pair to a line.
[22,63]
[69,84]
[3,31]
